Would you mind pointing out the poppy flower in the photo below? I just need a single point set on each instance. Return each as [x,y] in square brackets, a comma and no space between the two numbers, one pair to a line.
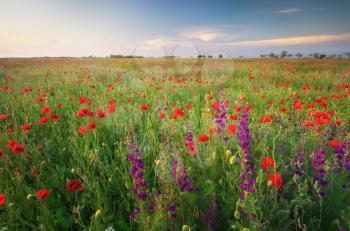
[298,105]
[3,117]
[267,162]
[178,113]
[276,180]
[2,153]
[203,138]
[144,107]
[55,117]
[26,127]
[162,115]
[111,109]
[81,130]
[308,124]
[43,120]
[335,143]
[2,199]
[91,126]
[74,185]
[42,193]
[46,110]
[266,119]
[231,129]
[15,148]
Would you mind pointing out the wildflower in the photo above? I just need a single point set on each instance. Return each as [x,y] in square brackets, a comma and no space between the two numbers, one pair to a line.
[203,138]
[111,109]
[276,180]
[42,194]
[25,127]
[180,177]
[319,170]
[211,214]
[231,129]
[144,107]
[43,120]
[81,130]
[266,119]
[91,126]
[267,162]
[162,115]
[189,143]
[74,185]
[15,148]
[46,110]
[246,179]
[2,199]
[178,113]
[3,117]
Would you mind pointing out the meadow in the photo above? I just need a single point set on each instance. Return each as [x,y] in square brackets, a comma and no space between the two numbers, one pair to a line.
[174,144]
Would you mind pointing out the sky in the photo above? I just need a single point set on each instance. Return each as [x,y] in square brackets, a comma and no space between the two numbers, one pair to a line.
[36,28]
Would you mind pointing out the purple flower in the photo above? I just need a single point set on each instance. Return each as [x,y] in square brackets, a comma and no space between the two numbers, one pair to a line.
[180,177]
[319,170]
[211,214]
[246,179]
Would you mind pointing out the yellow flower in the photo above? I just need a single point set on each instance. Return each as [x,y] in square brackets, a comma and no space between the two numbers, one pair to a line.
[237,214]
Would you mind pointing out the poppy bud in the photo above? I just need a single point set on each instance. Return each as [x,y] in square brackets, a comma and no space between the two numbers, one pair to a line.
[228,154]
[237,214]
[233,160]
[98,213]
[185,228]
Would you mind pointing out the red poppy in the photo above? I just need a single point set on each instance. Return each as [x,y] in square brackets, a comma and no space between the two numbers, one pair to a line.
[178,113]
[276,180]
[100,114]
[59,105]
[42,193]
[74,185]
[2,153]
[111,109]
[3,117]
[267,162]
[203,138]
[55,117]
[308,124]
[81,130]
[335,143]
[233,116]
[43,120]
[2,199]
[266,119]
[231,129]
[25,127]
[14,147]
[298,105]
[91,126]
[162,115]
[46,110]
[144,107]
[82,100]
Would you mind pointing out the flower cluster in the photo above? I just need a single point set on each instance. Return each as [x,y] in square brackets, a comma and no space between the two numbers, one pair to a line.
[246,179]
[137,173]
[180,177]
[319,170]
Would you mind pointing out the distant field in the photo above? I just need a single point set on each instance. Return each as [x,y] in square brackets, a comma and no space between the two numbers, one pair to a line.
[174,144]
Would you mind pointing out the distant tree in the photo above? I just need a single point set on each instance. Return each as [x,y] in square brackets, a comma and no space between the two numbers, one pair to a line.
[210,56]
[290,55]
[262,56]
[116,56]
[299,55]
[220,56]
[347,54]
[241,56]
[272,55]
[283,54]
[322,56]
[316,55]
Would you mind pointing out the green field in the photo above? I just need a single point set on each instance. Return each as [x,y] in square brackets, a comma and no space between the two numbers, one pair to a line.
[174,144]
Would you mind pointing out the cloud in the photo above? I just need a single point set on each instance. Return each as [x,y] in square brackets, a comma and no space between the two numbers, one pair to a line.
[297,40]
[205,35]
[289,11]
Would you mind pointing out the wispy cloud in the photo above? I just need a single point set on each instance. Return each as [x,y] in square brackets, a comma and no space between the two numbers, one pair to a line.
[297,40]
[289,11]
[205,35]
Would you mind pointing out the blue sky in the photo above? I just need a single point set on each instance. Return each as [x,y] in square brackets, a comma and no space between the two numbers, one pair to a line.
[164,27]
